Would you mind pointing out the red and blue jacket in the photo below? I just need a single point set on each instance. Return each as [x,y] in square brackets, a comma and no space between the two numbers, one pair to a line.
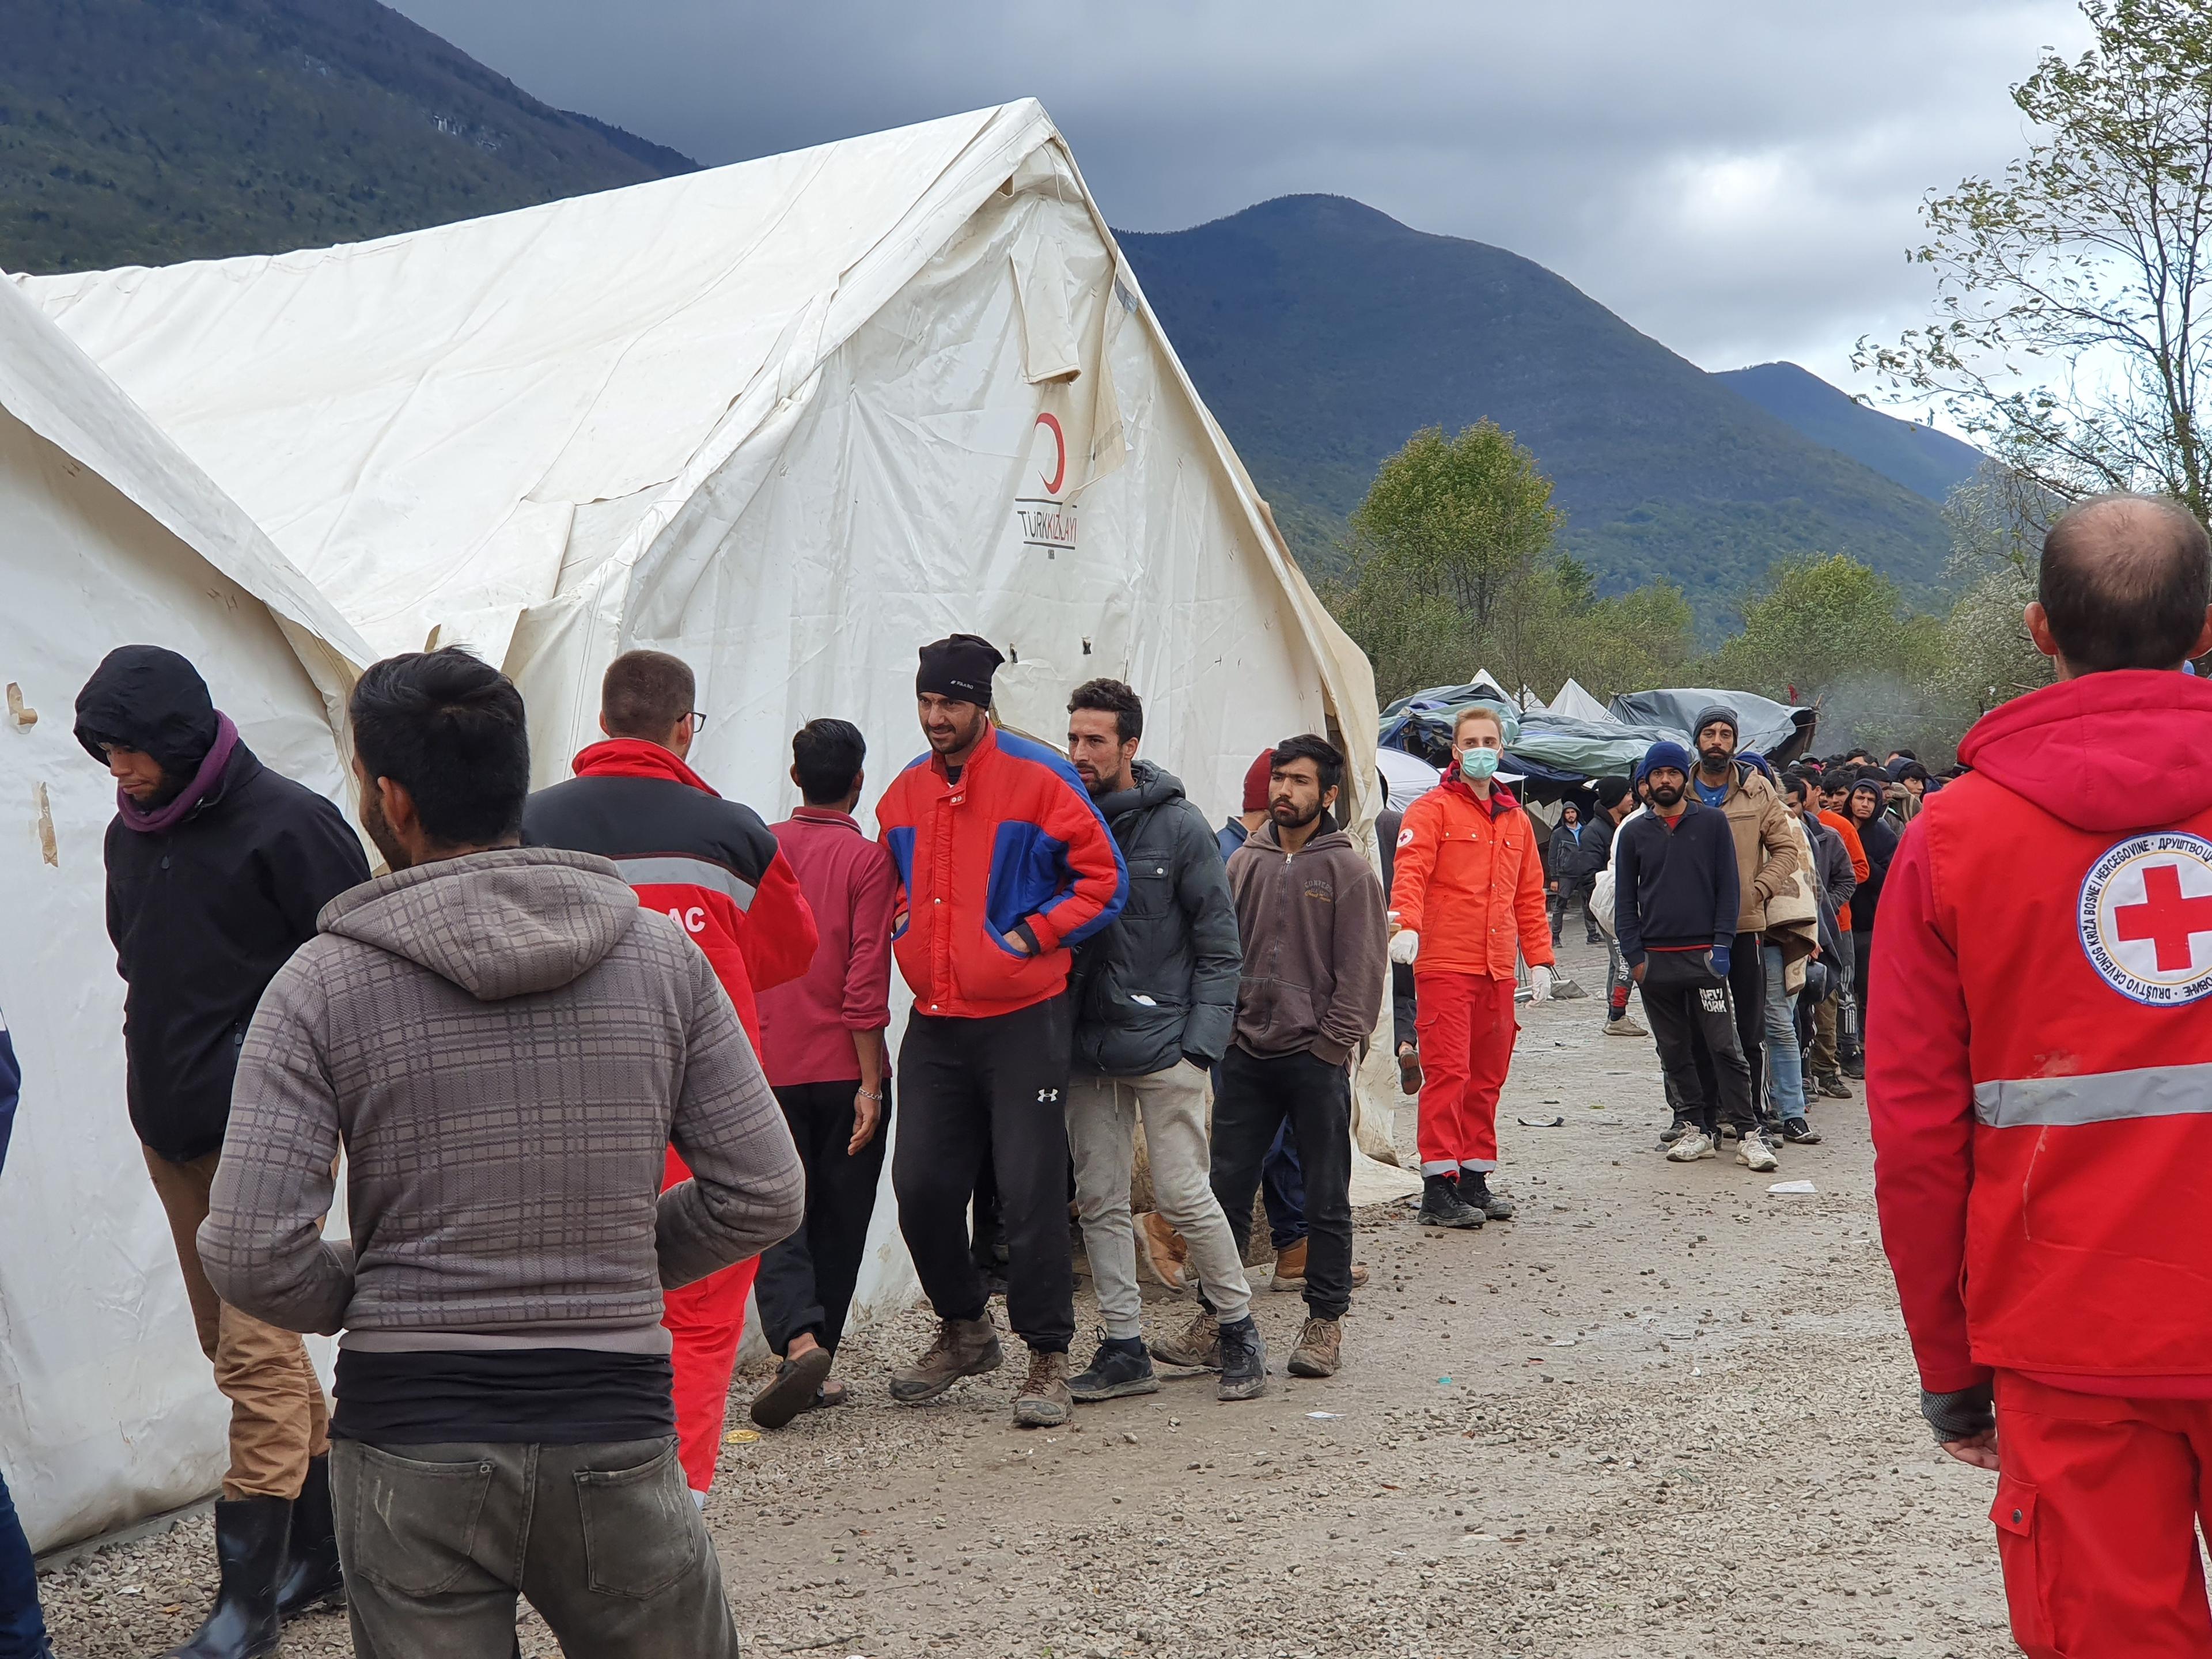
[1014,847]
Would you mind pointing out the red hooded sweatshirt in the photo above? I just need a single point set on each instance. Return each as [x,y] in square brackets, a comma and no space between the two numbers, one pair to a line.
[2040,1084]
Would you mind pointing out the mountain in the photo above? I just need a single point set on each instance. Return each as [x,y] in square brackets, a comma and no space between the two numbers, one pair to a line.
[1323,333]
[148,131]
[1925,461]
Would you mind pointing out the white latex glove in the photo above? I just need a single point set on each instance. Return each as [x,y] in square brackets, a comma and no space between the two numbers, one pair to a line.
[1540,985]
[1404,946]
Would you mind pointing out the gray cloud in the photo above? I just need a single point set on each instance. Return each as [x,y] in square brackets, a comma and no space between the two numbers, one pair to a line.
[1737,180]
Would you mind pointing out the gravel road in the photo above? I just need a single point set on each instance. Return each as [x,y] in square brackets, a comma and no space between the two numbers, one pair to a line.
[1663,1412]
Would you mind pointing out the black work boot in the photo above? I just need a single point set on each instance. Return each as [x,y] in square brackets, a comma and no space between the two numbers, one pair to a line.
[1441,1205]
[1243,1360]
[249,1547]
[1120,1367]
[312,1577]
[1474,1192]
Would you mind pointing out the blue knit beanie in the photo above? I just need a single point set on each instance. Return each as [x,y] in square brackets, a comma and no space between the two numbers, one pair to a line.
[1663,754]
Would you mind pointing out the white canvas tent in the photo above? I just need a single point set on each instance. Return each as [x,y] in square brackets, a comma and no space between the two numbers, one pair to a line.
[1577,704]
[111,537]
[789,420]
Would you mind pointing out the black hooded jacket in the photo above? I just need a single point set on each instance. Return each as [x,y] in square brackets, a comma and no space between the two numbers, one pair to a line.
[1161,982]
[205,914]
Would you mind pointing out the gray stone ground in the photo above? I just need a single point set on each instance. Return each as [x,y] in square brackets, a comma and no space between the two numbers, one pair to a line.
[1662,1413]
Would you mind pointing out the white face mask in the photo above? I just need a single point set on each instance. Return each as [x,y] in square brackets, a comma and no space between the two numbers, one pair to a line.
[1479,764]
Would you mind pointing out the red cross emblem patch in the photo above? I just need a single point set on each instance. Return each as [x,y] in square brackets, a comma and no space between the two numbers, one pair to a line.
[2146,918]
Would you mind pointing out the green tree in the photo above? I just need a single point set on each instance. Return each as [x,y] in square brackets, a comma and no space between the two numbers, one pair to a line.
[2072,293]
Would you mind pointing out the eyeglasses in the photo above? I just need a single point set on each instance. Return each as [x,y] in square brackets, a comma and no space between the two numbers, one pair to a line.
[698,722]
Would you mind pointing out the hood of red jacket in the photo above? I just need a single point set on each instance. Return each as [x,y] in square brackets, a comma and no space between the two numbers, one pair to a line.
[2108,753]
[634,757]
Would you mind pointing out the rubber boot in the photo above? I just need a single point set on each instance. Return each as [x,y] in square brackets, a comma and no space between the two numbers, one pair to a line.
[311,1577]
[249,1548]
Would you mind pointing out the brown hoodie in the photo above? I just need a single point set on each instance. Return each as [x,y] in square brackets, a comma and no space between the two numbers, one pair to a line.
[1315,944]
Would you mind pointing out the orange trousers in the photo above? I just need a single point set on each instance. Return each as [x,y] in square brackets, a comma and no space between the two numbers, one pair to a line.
[705,1322]
[2098,1508]
[1466,1025]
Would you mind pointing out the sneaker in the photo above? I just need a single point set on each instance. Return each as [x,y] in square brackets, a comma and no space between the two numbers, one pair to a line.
[1694,1143]
[1674,1131]
[1320,1349]
[1442,1206]
[1162,1255]
[1198,1349]
[1120,1367]
[1855,1067]
[792,1390]
[1835,1088]
[1756,1153]
[1243,1360]
[1800,1132]
[1044,1402]
[964,1348]
[1474,1192]
[1623,1024]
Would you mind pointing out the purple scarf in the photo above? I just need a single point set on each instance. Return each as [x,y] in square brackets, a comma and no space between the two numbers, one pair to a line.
[164,818]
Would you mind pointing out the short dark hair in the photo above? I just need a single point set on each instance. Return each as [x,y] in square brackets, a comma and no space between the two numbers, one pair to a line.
[826,755]
[1319,751]
[2125,581]
[1902,753]
[1111,697]
[449,728]
[1797,783]
[645,694]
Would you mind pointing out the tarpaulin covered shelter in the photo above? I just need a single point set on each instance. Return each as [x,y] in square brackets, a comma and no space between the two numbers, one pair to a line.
[788,420]
[1779,731]
[108,1409]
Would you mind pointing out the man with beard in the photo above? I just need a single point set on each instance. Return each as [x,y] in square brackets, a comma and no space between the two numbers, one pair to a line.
[1006,866]
[216,867]
[1154,997]
[1674,911]
[1310,913]
[1768,858]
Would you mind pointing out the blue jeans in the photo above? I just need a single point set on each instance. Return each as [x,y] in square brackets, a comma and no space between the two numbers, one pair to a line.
[1785,1066]
[22,1626]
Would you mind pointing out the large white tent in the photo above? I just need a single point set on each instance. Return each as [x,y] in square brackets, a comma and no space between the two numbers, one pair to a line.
[789,420]
[112,536]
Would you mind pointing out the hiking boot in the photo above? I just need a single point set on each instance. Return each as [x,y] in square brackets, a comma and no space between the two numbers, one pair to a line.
[1289,1271]
[1622,1025]
[1674,1131]
[1832,1084]
[1855,1066]
[1243,1360]
[1198,1349]
[1320,1349]
[793,1389]
[964,1348]
[1694,1144]
[1474,1193]
[312,1578]
[1044,1402]
[1800,1132]
[1756,1153]
[1120,1367]
[1161,1252]
[249,1549]
[1441,1205]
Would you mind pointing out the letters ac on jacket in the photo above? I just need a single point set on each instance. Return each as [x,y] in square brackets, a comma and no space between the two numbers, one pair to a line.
[2040,1083]
[1016,842]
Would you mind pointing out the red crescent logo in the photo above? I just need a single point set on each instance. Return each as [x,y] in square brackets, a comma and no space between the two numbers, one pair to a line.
[1051,423]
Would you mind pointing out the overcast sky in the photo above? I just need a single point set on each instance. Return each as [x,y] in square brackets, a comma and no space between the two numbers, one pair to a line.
[1739,178]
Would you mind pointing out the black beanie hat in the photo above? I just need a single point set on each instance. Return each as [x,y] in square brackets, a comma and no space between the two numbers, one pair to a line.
[959,668]
[147,698]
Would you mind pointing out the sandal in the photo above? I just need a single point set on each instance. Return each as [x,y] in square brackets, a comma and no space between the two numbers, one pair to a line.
[792,1389]
[1409,1071]
[831,1393]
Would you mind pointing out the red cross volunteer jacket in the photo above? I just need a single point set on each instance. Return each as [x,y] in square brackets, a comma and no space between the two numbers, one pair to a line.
[708,863]
[2040,1073]
[1015,844]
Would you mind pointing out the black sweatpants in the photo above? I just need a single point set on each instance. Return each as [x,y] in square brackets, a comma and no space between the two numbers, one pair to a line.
[1685,1002]
[807,1282]
[1747,991]
[1000,1082]
[1255,1098]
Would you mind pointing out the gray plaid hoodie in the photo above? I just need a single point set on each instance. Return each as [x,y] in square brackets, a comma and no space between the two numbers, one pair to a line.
[506,1045]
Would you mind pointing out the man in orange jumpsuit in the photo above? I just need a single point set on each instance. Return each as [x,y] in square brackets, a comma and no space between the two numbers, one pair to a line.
[1470,885]
[2036,1087]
